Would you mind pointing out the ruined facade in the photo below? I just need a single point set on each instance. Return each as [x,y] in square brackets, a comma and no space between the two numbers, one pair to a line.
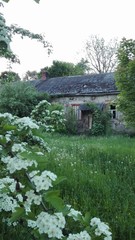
[77,91]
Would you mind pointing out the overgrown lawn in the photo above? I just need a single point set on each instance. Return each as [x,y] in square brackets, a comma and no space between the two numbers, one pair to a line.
[100,177]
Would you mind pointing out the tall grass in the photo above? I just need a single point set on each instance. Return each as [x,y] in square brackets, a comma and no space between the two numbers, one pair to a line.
[100,175]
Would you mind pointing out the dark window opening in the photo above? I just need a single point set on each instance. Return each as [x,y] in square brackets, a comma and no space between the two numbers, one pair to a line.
[112,107]
[113,111]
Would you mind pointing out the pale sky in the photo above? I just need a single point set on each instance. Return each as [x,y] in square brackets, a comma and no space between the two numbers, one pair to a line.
[67,24]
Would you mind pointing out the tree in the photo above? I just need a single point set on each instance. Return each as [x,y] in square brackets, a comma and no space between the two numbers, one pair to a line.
[30,75]
[60,69]
[82,66]
[6,34]
[125,80]
[101,55]
[9,76]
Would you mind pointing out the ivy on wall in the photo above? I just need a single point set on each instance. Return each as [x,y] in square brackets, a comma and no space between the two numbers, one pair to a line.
[100,119]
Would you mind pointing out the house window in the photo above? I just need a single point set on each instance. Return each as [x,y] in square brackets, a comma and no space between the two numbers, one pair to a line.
[113,111]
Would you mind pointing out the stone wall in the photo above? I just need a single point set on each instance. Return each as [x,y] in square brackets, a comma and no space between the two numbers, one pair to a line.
[107,100]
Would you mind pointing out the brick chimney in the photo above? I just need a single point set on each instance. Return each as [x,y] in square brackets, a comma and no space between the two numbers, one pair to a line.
[43,75]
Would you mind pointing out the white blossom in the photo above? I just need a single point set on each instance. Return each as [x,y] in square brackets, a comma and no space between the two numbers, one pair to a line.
[49,224]
[18,147]
[44,181]
[7,203]
[31,198]
[101,227]
[9,183]
[16,163]
[95,221]
[7,115]
[108,238]
[79,236]
[74,213]
[33,173]
[26,122]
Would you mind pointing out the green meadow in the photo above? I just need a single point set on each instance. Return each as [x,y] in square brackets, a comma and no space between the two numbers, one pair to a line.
[99,177]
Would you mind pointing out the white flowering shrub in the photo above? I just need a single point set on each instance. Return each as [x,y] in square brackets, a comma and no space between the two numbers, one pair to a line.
[28,196]
[50,116]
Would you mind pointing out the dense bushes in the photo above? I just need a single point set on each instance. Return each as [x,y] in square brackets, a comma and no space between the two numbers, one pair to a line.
[19,98]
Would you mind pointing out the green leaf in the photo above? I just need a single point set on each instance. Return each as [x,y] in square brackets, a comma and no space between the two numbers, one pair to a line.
[9,127]
[3,141]
[53,198]
[87,218]
[18,214]
[59,180]
[51,193]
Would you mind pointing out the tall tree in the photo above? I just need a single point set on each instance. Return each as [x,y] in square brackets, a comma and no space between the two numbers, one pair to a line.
[101,55]
[125,80]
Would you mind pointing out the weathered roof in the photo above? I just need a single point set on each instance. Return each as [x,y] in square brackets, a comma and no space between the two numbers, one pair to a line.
[93,84]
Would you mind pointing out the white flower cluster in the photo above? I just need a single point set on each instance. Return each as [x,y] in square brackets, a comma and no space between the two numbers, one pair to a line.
[16,163]
[19,147]
[79,236]
[101,228]
[31,198]
[9,183]
[44,181]
[74,213]
[26,123]
[49,224]
[7,203]
[7,116]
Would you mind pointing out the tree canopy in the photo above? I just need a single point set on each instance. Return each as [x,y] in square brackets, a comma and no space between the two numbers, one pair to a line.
[125,80]
[60,69]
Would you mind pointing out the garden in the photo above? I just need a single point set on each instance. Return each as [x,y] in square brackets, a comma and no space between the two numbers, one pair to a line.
[59,186]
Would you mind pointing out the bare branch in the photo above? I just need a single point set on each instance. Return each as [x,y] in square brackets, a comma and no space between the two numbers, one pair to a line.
[101,55]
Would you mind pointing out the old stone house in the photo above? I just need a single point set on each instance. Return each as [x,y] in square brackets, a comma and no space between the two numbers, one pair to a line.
[77,91]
